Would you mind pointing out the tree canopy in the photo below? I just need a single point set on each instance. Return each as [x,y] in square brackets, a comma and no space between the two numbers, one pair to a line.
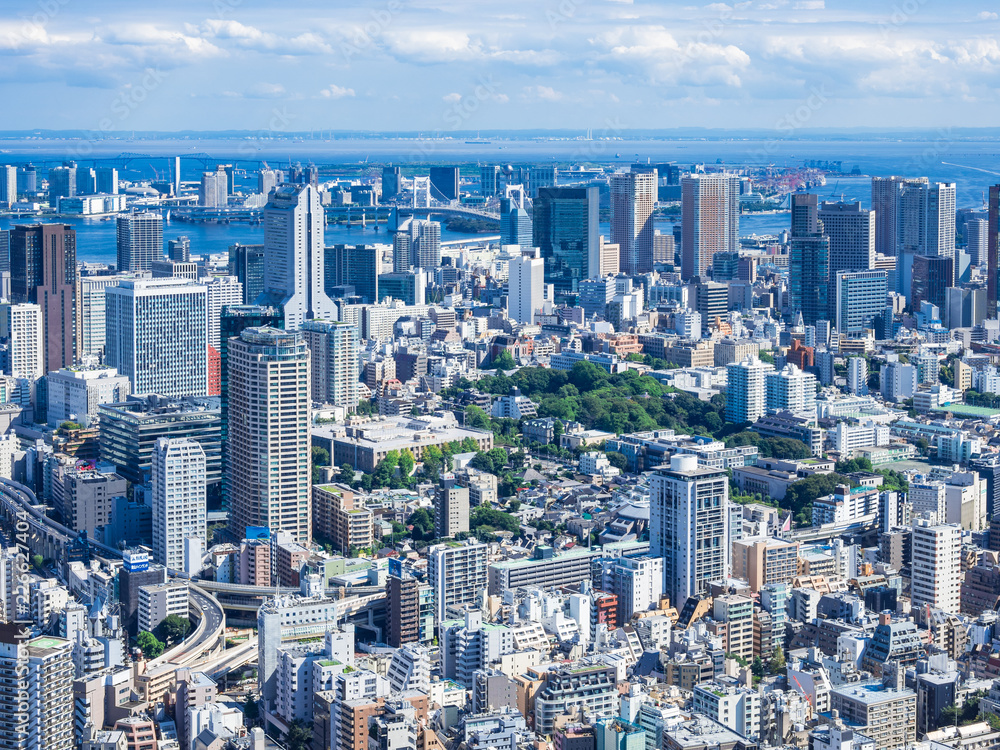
[173,628]
[624,402]
[800,495]
[149,644]
[423,524]
[503,361]
[781,448]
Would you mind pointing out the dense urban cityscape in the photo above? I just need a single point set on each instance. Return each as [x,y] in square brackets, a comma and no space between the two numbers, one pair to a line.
[605,375]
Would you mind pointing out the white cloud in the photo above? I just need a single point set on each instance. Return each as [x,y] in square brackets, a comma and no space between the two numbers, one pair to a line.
[265,90]
[545,93]
[252,38]
[431,46]
[654,54]
[809,5]
[988,15]
[333,91]
[452,97]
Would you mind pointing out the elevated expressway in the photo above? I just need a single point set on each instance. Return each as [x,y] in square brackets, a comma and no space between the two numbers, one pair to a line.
[208,600]
[21,512]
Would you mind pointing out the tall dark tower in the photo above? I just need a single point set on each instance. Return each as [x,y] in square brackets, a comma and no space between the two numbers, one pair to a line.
[993,261]
[43,272]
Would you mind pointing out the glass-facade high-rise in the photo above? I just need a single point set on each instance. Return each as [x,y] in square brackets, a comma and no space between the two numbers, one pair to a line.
[565,228]
[356,266]
[809,261]
[860,299]
[246,263]
[515,224]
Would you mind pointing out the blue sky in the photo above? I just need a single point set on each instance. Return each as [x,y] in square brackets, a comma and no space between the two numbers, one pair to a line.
[448,65]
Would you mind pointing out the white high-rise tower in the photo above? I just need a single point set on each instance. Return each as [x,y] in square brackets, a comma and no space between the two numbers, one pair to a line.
[633,197]
[710,220]
[268,469]
[525,285]
[294,253]
[689,526]
[178,467]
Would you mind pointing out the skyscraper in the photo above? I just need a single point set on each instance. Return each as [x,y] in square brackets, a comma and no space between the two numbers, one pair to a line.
[539,178]
[977,240]
[809,261]
[931,276]
[710,220]
[451,509]
[62,182]
[525,285]
[746,391]
[335,362]
[609,258]
[43,271]
[8,185]
[633,197]
[156,334]
[860,298]
[267,180]
[92,313]
[444,183]
[36,699]
[107,180]
[234,320]
[851,230]
[179,509]
[490,180]
[246,263]
[515,224]
[885,204]
[293,255]
[992,256]
[857,376]
[179,250]
[390,182]
[356,266]
[5,250]
[926,225]
[565,227]
[689,526]
[936,566]
[27,179]
[417,244]
[21,326]
[792,390]
[269,464]
[140,240]
[457,575]
[222,291]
